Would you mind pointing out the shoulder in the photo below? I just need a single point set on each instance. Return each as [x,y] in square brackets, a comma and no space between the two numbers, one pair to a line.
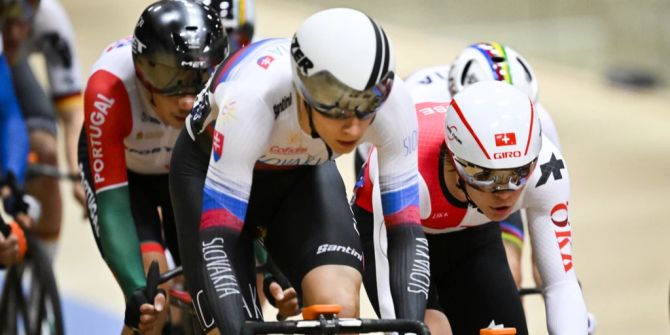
[429,84]
[255,63]
[428,75]
[550,181]
[395,119]
[112,78]
[117,57]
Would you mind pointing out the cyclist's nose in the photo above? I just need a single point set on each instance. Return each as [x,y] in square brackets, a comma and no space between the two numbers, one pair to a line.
[353,127]
[185,102]
[503,195]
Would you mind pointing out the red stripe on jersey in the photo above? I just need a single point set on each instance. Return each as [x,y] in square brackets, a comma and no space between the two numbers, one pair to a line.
[530,131]
[107,121]
[408,215]
[467,125]
[220,218]
[443,214]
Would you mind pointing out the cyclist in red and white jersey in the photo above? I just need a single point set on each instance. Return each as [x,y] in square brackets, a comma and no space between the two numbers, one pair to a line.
[136,100]
[482,156]
[284,109]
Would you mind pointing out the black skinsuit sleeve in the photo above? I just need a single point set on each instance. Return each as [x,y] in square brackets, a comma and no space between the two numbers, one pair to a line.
[223,291]
[408,261]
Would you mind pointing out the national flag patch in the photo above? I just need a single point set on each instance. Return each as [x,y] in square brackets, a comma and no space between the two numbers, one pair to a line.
[217,145]
[505,139]
[265,61]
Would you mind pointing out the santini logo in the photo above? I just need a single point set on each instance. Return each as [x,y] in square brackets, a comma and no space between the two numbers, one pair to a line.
[338,248]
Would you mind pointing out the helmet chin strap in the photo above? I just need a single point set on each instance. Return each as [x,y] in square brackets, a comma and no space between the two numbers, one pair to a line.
[312,129]
[461,185]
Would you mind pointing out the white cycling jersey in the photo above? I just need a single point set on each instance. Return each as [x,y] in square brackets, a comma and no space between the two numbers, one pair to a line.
[52,35]
[257,122]
[430,84]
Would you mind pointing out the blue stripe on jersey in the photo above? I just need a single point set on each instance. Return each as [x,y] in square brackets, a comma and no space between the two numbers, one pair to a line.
[213,199]
[393,202]
[232,61]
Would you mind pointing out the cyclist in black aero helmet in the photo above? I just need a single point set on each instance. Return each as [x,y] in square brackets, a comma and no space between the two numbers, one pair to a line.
[136,101]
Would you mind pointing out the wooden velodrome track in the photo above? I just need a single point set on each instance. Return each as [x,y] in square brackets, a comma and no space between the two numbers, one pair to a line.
[615,141]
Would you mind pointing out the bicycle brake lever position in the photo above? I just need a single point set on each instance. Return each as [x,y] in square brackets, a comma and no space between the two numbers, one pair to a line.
[153,279]
[142,296]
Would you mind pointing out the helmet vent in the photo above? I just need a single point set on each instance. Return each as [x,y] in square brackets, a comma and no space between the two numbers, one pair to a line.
[525,68]
[464,75]
[498,59]
[191,28]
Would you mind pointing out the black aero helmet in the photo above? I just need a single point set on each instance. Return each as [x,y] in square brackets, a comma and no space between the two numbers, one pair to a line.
[176,45]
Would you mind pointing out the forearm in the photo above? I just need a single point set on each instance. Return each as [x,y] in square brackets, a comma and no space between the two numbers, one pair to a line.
[409,270]
[73,118]
[119,242]
[566,311]
[217,246]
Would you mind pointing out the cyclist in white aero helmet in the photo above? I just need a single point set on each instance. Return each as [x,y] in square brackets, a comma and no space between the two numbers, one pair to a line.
[491,61]
[482,157]
[284,110]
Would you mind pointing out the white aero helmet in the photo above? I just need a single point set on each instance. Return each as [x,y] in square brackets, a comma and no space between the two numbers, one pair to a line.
[342,63]
[491,61]
[493,135]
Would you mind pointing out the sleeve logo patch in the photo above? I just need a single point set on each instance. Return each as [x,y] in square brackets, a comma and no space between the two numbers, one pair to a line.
[217,145]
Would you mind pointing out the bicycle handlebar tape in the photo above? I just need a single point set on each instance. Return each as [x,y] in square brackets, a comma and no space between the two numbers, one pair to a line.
[21,238]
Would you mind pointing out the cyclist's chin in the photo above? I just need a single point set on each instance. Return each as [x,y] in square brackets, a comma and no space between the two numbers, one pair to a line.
[342,147]
[497,213]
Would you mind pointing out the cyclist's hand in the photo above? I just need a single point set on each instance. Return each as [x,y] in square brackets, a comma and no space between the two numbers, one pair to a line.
[286,301]
[13,247]
[140,314]
[18,204]
[149,313]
